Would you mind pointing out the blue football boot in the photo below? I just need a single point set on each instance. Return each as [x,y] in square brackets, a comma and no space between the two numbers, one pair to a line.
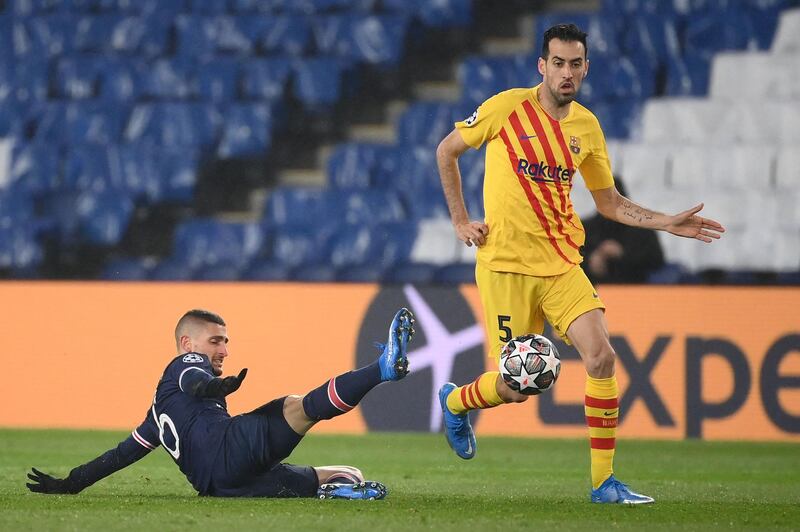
[456,427]
[612,491]
[368,490]
[393,361]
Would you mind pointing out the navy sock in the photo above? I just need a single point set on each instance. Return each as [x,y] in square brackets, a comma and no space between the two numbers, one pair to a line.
[341,394]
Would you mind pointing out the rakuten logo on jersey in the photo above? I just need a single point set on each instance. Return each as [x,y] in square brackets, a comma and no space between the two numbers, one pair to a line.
[544,173]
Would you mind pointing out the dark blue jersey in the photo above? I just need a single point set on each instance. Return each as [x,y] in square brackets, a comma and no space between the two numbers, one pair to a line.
[190,428]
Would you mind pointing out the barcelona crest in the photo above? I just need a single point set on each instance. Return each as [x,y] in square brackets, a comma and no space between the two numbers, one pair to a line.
[575,145]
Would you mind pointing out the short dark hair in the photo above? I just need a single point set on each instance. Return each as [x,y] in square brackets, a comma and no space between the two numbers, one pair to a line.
[566,33]
[194,316]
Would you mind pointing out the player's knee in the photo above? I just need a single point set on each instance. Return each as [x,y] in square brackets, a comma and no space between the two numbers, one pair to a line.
[600,362]
[508,395]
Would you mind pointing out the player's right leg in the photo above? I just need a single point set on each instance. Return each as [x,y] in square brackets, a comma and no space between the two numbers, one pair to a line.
[509,311]
[346,482]
[342,393]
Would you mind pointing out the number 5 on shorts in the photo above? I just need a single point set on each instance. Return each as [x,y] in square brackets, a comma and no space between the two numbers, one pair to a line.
[505,330]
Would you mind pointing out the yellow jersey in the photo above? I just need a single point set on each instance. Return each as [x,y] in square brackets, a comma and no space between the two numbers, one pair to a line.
[531,160]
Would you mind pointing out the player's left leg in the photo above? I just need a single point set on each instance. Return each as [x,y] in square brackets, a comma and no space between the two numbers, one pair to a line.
[576,313]
[342,393]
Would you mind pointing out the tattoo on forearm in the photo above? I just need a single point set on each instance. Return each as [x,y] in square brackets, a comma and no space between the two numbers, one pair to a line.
[639,214]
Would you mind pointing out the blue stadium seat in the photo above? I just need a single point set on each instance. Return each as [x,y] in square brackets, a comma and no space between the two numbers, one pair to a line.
[223,271]
[104,217]
[352,165]
[428,204]
[294,246]
[35,168]
[218,79]
[472,165]
[171,269]
[687,76]
[48,35]
[410,169]
[203,242]
[170,79]
[411,273]
[376,39]
[16,208]
[654,36]
[398,241]
[371,206]
[30,80]
[265,79]
[715,30]
[247,131]
[445,13]
[173,125]
[355,245]
[121,79]
[314,273]
[206,7]
[617,117]
[176,170]
[93,32]
[455,274]
[266,270]
[331,35]
[426,123]
[20,251]
[287,34]
[360,274]
[84,121]
[147,35]
[76,77]
[293,205]
[126,269]
[317,81]
[482,77]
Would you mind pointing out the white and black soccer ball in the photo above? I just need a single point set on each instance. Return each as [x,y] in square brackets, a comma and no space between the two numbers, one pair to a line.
[530,364]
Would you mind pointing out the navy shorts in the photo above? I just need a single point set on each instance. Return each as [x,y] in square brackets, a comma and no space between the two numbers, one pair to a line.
[249,461]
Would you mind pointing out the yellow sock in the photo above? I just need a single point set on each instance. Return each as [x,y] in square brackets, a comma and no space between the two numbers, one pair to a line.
[601,406]
[481,393]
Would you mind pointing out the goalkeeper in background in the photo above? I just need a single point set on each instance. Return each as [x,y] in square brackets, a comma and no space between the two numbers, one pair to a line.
[240,456]
[531,243]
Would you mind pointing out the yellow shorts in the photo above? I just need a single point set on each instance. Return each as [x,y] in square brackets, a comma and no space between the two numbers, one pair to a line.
[515,304]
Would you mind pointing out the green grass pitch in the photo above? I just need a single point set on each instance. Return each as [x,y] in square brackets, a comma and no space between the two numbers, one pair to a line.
[512,484]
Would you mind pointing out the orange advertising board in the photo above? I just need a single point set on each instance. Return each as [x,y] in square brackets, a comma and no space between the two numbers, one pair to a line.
[708,362]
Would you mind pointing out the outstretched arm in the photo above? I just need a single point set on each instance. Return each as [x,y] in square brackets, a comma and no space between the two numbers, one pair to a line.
[83,476]
[447,154]
[614,206]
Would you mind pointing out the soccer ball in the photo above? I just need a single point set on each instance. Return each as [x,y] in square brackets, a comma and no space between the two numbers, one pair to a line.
[529,364]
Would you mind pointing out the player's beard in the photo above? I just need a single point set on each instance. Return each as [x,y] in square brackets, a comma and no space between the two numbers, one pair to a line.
[563,99]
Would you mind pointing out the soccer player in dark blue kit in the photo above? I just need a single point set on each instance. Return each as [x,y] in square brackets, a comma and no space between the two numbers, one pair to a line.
[241,456]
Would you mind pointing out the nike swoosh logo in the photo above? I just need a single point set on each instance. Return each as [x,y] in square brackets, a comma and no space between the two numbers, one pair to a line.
[469,447]
[526,137]
[614,413]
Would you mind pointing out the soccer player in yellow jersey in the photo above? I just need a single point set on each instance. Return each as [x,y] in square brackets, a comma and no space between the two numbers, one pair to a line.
[529,247]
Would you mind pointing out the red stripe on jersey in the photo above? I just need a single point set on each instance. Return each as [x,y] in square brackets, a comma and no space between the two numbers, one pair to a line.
[144,443]
[532,199]
[603,443]
[333,397]
[601,422]
[533,116]
[567,155]
[594,402]
[478,393]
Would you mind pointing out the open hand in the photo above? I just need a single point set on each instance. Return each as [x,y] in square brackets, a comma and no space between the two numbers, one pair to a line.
[687,224]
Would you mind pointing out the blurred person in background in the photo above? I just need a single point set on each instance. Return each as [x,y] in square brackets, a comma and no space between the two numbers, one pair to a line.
[619,253]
